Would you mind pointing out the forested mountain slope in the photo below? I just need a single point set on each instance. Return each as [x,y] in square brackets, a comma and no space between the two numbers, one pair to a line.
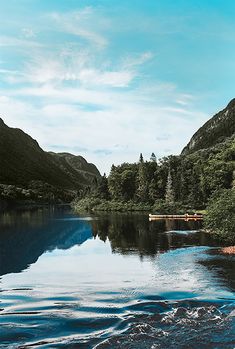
[24,164]
[76,167]
[186,181]
[214,131]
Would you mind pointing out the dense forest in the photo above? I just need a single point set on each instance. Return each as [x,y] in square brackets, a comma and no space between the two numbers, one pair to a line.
[201,179]
[174,182]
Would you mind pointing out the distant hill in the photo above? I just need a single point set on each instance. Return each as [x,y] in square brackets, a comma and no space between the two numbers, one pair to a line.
[216,130]
[76,167]
[22,161]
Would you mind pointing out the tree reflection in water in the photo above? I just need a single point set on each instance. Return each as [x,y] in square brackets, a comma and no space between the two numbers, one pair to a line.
[133,233]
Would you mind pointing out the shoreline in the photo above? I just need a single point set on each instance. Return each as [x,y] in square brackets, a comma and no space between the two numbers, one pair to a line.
[26,205]
[101,205]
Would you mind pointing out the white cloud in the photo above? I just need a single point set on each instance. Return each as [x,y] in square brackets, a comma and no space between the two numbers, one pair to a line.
[121,119]
[17,42]
[71,96]
[133,61]
[185,99]
[79,23]
[28,33]
[73,67]
[108,78]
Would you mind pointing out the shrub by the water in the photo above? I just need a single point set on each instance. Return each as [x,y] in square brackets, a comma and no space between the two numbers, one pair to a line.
[96,204]
[220,218]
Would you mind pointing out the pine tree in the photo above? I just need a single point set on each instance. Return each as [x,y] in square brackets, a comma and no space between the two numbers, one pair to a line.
[153,158]
[114,183]
[102,188]
[152,190]
[169,194]
[142,182]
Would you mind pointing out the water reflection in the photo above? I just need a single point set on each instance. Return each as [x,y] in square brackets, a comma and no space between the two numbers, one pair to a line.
[110,279]
[221,265]
[24,236]
[135,234]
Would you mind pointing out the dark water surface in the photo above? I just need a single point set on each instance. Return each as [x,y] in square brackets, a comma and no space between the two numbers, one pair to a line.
[112,281]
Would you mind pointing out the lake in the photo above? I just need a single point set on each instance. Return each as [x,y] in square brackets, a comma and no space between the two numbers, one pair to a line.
[112,281]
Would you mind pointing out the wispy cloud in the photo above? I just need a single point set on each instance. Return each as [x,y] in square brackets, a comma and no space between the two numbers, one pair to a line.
[132,61]
[95,134]
[75,90]
[71,66]
[28,33]
[79,23]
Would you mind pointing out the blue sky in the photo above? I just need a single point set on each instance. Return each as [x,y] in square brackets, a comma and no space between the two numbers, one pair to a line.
[110,79]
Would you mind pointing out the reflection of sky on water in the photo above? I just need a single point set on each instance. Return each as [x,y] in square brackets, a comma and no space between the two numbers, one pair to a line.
[69,279]
[112,251]
[92,266]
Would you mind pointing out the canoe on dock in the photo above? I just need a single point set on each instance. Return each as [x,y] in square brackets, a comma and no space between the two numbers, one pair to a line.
[185,216]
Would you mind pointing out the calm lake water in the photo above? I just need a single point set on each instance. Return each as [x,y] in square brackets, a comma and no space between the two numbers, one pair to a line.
[112,281]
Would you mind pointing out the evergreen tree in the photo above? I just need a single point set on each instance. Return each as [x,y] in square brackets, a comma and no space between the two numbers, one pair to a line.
[114,183]
[153,157]
[153,191]
[142,183]
[128,184]
[169,194]
[102,188]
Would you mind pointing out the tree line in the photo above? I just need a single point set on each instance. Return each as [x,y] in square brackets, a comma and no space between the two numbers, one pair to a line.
[184,180]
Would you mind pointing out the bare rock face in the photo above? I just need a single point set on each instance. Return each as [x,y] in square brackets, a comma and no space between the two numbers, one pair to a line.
[214,131]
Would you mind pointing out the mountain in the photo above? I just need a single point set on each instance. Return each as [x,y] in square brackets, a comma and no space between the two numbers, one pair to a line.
[76,167]
[216,130]
[22,161]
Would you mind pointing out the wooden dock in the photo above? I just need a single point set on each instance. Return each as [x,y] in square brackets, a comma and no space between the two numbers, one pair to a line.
[185,216]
